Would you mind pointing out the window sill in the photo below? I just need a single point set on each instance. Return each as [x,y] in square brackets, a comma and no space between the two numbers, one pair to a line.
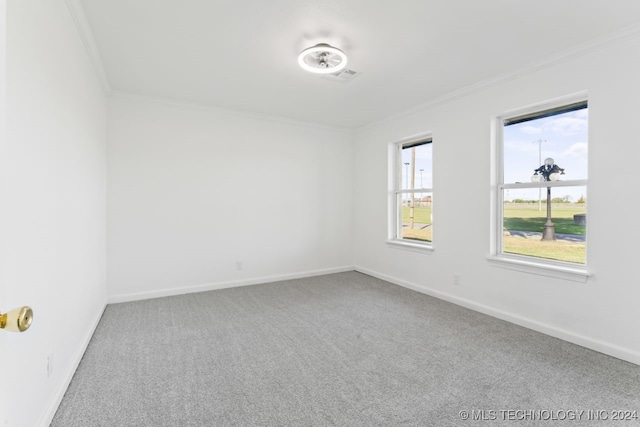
[410,246]
[532,267]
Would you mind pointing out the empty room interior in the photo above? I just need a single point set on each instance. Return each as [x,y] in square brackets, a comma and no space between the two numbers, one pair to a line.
[305,212]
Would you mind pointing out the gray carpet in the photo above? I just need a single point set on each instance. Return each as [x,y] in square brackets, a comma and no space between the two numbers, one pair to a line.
[343,349]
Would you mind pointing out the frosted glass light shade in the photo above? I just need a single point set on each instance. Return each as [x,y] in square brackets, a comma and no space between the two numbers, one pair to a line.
[322,59]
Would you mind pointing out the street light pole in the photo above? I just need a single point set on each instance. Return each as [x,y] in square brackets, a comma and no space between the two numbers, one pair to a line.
[412,201]
[406,176]
[550,172]
[540,141]
[549,231]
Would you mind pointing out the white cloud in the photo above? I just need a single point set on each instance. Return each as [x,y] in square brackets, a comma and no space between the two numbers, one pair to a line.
[579,149]
[582,114]
[566,125]
[531,130]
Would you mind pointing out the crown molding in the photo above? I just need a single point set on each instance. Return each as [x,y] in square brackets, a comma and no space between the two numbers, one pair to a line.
[199,106]
[86,35]
[84,30]
[598,44]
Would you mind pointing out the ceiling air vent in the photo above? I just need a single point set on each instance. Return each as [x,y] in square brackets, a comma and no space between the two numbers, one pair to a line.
[342,76]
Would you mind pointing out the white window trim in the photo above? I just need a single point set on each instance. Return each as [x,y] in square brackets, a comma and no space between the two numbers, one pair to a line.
[530,265]
[526,264]
[395,188]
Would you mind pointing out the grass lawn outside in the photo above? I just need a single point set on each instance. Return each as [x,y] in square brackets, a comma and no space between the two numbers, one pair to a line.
[555,249]
[423,234]
[421,217]
[421,214]
[527,217]
[521,217]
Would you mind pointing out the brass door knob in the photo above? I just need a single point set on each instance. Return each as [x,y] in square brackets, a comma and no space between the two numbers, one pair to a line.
[17,320]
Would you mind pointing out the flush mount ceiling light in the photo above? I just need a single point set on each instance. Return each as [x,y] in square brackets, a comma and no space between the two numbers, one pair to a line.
[322,59]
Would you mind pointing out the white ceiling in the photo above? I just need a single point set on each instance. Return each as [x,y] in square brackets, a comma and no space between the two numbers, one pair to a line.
[242,54]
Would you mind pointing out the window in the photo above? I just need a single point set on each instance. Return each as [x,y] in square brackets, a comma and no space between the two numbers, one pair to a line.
[411,196]
[541,185]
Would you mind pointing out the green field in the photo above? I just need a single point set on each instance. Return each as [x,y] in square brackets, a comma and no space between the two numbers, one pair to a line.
[558,250]
[527,217]
[421,216]
[522,217]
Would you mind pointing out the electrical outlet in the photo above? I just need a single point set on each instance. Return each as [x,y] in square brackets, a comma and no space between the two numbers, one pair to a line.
[49,365]
[239,265]
[457,280]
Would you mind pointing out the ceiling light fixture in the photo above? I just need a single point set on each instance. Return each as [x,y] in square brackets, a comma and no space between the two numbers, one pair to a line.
[322,59]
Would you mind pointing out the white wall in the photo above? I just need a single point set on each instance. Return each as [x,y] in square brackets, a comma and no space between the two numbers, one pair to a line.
[3,138]
[601,313]
[53,178]
[192,191]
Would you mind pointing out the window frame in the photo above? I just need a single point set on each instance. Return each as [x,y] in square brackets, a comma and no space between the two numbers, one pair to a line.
[394,237]
[526,263]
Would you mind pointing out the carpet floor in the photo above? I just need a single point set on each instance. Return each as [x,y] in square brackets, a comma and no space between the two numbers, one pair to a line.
[337,350]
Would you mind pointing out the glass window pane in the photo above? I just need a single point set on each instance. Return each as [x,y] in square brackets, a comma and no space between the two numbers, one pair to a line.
[561,137]
[417,216]
[416,166]
[525,217]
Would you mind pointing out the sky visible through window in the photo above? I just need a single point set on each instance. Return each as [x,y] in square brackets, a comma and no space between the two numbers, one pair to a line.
[562,137]
[423,179]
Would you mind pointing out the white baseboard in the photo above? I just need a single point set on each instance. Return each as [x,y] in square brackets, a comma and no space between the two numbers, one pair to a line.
[48,415]
[581,340]
[112,299]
